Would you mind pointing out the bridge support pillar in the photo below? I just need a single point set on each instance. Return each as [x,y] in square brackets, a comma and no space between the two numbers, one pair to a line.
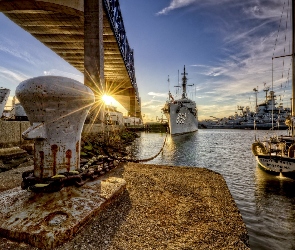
[94,54]
[138,114]
[138,111]
[132,100]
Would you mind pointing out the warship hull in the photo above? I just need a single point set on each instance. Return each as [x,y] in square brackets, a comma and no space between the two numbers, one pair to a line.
[181,120]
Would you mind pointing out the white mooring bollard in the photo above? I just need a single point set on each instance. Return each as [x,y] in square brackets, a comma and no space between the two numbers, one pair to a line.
[57,108]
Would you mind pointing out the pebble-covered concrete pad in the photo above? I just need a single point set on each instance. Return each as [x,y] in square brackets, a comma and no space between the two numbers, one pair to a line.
[163,207]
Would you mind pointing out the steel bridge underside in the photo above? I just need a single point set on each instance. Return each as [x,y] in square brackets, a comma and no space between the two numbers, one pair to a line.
[59,25]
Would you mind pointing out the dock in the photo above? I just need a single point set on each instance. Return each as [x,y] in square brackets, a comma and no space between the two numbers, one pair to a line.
[162,207]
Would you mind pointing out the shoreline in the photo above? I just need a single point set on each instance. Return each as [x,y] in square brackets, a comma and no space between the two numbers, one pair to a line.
[163,207]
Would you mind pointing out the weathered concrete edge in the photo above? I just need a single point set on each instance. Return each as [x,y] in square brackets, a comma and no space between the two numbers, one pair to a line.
[243,237]
[40,241]
[103,206]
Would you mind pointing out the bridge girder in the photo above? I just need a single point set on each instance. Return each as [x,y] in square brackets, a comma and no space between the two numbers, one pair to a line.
[59,25]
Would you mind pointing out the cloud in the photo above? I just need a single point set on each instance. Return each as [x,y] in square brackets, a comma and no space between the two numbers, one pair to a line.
[234,77]
[56,72]
[215,111]
[249,60]
[240,36]
[200,65]
[12,76]
[158,94]
[13,49]
[264,11]
[253,8]
[175,4]
[151,103]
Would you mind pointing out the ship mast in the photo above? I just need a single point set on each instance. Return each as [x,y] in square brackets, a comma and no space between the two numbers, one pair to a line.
[184,80]
[256,90]
[293,63]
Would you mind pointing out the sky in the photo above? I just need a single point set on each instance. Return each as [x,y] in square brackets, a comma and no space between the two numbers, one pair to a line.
[226,46]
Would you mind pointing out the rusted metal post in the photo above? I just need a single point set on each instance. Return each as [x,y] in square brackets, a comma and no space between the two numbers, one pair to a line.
[56,108]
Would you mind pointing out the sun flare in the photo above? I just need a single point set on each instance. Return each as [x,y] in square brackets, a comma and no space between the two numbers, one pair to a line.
[108,99]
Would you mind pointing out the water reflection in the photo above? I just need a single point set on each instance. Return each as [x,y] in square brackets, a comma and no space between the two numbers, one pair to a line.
[266,202]
[274,210]
[275,185]
[176,151]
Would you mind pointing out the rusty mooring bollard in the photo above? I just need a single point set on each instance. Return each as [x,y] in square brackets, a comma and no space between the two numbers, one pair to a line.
[56,108]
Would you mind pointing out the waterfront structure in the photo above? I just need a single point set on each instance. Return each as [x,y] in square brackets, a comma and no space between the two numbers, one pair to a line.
[276,154]
[182,114]
[89,35]
[4,93]
[113,116]
[267,115]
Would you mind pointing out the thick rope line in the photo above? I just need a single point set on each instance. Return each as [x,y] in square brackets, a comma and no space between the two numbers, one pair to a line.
[136,160]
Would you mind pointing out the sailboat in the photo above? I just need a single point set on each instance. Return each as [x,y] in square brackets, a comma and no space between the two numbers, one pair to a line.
[182,114]
[276,155]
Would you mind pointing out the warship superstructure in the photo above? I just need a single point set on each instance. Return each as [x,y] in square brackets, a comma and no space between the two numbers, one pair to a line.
[182,114]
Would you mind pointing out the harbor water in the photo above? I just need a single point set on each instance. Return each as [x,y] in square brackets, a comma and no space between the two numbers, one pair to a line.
[266,202]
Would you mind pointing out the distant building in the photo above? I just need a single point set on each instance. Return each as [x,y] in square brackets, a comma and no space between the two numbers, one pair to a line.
[132,121]
[20,113]
[112,116]
[4,94]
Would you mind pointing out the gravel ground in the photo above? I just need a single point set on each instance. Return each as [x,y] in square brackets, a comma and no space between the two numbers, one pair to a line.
[13,178]
[163,207]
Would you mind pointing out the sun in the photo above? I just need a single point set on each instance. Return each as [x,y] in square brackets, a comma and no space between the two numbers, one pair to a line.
[108,99]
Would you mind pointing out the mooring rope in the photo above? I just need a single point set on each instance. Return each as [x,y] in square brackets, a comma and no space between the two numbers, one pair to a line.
[136,160]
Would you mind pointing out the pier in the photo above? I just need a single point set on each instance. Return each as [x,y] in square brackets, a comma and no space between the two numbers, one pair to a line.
[160,207]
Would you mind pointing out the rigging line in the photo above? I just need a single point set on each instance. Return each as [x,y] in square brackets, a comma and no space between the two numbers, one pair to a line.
[287,17]
[281,56]
[288,75]
[286,29]
[272,90]
[283,64]
[278,29]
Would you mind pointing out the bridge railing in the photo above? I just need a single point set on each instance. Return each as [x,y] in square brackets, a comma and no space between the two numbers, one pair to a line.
[115,16]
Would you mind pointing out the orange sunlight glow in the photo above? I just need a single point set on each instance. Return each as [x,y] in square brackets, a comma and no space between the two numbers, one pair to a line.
[108,99]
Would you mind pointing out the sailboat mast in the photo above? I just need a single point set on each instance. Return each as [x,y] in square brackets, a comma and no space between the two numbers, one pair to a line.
[293,63]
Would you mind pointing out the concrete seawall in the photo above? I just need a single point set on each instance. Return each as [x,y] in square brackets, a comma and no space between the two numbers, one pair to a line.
[11,132]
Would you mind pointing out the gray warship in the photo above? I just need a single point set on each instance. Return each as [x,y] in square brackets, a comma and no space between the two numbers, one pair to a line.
[182,114]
